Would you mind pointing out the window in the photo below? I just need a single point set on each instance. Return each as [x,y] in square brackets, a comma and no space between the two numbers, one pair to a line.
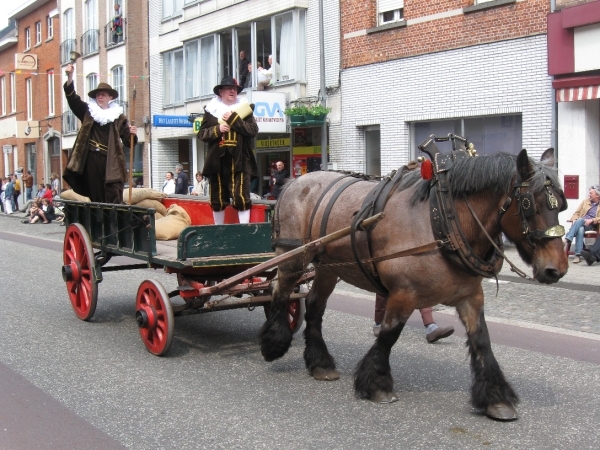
[373,150]
[68,24]
[27,38]
[38,33]
[50,27]
[3,94]
[90,37]
[489,134]
[118,82]
[477,2]
[172,8]
[389,11]
[51,93]
[173,77]
[91,82]
[208,58]
[29,99]
[192,82]
[13,93]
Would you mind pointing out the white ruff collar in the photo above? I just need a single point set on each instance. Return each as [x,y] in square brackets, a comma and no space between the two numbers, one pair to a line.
[217,108]
[104,116]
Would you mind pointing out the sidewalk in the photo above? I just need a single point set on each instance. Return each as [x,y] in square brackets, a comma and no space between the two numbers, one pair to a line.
[579,276]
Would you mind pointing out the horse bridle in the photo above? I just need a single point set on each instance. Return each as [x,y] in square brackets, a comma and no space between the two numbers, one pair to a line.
[526,209]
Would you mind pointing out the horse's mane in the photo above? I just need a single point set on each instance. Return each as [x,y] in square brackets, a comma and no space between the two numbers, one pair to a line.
[493,173]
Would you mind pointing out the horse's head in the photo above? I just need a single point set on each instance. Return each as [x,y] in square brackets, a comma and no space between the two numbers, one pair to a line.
[530,217]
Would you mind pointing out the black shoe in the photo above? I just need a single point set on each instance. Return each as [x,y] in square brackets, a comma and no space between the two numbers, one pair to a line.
[589,258]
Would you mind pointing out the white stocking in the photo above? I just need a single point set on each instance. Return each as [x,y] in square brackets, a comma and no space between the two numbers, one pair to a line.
[219,217]
[244,216]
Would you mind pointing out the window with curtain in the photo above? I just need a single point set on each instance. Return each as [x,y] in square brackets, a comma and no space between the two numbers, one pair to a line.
[192,70]
[91,27]
[51,93]
[286,50]
[171,8]
[117,76]
[91,82]
[389,11]
[69,25]
[208,65]
[173,77]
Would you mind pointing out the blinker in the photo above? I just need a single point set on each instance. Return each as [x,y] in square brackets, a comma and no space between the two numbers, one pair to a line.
[527,204]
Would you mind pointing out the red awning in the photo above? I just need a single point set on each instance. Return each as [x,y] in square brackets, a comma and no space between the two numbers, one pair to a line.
[578,93]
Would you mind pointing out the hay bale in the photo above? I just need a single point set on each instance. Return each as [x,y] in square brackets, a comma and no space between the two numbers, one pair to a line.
[156,204]
[70,194]
[171,226]
[139,194]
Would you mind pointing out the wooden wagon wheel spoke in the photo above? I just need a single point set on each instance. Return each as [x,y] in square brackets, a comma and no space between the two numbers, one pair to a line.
[154,316]
[78,272]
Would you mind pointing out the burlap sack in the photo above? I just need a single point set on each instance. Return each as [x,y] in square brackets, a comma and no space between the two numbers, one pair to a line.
[158,216]
[139,194]
[172,225]
[72,195]
[156,204]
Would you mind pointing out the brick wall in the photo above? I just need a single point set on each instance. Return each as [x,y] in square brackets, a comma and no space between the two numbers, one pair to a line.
[48,61]
[498,78]
[452,29]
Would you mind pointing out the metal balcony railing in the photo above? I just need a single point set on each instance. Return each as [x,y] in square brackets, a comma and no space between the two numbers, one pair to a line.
[89,42]
[66,48]
[69,123]
[114,35]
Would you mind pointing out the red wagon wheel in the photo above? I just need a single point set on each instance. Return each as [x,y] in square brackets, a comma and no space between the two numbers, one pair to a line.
[154,316]
[295,313]
[78,271]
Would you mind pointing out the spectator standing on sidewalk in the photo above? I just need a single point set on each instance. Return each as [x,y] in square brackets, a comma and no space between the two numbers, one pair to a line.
[9,189]
[182,183]
[17,192]
[27,179]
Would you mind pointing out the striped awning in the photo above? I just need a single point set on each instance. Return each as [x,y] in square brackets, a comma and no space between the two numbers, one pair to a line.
[578,93]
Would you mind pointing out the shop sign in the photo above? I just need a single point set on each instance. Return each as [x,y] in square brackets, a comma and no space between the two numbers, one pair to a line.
[272,143]
[268,111]
[171,121]
[313,150]
[26,61]
[7,149]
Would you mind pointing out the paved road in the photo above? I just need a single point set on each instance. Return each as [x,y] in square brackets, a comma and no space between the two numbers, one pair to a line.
[71,384]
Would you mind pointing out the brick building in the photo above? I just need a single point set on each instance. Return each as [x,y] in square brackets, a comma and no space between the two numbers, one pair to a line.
[195,43]
[469,67]
[112,52]
[574,63]
[30,102]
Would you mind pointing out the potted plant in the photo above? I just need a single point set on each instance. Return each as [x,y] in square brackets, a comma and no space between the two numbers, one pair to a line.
[316,114]
[296,113]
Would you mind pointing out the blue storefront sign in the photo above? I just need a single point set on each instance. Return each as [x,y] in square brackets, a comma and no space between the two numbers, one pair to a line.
[171,121]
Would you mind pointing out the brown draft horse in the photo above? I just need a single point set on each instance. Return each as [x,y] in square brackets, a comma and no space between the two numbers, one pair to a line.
[490,185]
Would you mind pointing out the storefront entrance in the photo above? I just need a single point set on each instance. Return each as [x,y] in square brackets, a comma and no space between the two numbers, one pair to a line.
[266,159]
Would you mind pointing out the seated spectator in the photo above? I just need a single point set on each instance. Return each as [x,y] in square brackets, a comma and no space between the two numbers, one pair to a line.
[585,218]
[48,193]
[201,187]
[38,197]
[45,212]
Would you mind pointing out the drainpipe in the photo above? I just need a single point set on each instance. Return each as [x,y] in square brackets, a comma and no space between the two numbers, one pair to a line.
[554,125]
[322,92]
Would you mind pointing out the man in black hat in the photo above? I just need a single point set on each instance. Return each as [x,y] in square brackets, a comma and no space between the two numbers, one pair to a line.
[96,166]
[229,128]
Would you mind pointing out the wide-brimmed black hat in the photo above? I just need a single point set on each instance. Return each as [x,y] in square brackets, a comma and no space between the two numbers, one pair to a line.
[106,88]
[227,81]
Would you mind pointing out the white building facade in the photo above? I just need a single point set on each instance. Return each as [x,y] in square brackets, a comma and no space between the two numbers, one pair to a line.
[195,43]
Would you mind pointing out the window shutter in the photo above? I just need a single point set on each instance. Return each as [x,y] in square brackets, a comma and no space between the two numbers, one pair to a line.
[389,5]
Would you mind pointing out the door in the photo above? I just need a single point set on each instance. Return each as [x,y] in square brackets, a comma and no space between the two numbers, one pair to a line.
[266,166]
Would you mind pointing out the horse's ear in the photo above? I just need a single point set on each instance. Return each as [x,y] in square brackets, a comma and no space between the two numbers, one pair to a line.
[548,157]
[524,166]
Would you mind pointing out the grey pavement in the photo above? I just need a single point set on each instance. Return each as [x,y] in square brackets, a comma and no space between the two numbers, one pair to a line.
[571,306]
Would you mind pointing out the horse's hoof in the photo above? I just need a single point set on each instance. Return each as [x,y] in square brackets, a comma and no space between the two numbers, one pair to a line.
[384,397]
[321,374]
[502,411]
